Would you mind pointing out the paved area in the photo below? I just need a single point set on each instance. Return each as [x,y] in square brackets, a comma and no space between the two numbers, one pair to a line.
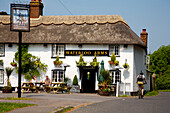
[47,102]
[154,104]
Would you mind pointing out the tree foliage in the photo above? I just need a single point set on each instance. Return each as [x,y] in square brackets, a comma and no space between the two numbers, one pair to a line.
[160,60]
[31,65]
[3,13]
[160,64]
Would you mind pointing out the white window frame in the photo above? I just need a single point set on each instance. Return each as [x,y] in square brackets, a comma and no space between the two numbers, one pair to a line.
[58,49]
[58,75]
[2,50]
[115,76]
[115,49]
[1,76]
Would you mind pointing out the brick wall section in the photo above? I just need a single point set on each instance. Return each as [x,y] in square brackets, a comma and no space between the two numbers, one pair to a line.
[36,9]
[144,36]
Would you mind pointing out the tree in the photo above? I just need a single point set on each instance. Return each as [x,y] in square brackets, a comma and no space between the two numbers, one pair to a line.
[3,13]
[160,65]
[31,65]
[160,60]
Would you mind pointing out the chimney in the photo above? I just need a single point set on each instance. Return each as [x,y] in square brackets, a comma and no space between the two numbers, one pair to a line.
[144,36]
[36,8]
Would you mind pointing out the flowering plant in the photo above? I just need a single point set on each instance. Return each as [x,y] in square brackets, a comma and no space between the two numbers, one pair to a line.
[14,64]
[126,66]
[1,62]
[113,58]
[57,61]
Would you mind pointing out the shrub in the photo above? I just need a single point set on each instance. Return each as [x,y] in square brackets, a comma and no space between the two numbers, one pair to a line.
[75,80]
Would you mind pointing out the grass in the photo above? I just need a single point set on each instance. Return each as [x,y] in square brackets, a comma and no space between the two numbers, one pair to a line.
[166,90]
[152,93]
[124,96]
[4,107]
[66,109]
[16,98]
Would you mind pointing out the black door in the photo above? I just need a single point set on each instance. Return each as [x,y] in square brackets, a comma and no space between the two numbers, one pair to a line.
[88,81]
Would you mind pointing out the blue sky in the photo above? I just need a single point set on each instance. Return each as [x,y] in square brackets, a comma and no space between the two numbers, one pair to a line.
[153,15]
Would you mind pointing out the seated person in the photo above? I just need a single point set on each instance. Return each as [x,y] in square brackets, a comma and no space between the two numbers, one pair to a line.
[34,80]
[47,83]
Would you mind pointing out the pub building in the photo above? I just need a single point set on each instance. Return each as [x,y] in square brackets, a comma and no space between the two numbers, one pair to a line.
[70,36]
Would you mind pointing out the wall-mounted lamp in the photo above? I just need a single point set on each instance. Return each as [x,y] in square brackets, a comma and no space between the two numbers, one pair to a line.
[80,45]
[125,46]
[9,45]
[45,45]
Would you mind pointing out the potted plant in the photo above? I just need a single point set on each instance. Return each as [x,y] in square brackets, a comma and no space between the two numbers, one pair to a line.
[58,62]
[75,88]
[105,89]
[126,66]
[14,64]
[8,88]
[1,62]
[81,61]
[113,58]
[94,63]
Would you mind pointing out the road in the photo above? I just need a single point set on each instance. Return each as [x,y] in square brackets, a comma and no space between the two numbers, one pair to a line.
[154,104]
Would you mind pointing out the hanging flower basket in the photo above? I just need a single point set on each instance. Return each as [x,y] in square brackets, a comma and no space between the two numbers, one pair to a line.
[13,64]
[111,62]
[57,62]
[126,66]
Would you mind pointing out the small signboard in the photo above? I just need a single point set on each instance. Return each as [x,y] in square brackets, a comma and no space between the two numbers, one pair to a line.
[87,52]
[20,17]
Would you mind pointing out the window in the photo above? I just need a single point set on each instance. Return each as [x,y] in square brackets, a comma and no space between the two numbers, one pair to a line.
[115,49]
[58,76]
[1,76]
[115,76]
[57,49]
[2,48]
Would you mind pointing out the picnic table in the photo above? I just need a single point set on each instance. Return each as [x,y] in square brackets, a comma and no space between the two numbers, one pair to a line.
[32,86]
[58,86]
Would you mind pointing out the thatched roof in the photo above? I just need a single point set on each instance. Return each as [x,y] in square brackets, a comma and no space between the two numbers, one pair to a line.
[106,29]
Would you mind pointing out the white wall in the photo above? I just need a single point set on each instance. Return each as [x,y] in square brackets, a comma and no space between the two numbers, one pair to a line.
[45,54]
[140,65]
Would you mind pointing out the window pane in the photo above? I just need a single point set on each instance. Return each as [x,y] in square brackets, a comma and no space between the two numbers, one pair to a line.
[1,76]
[58,49]
[115,49]
[1,49]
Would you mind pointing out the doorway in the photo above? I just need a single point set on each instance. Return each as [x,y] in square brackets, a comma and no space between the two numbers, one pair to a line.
[88,79]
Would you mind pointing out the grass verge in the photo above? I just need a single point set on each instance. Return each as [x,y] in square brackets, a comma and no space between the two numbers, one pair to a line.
[166,90]
[4,107]
[16,98]
[124,96]
[152,93]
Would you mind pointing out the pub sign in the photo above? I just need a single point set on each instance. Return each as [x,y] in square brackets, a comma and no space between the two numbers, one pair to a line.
[20,17]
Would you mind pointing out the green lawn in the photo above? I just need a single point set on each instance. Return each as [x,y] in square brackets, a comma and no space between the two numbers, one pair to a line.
[152,93]
[166,90]
[16,98]
[4,107]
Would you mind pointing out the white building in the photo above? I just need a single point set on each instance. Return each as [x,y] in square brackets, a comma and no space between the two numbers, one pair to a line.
[69,36]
